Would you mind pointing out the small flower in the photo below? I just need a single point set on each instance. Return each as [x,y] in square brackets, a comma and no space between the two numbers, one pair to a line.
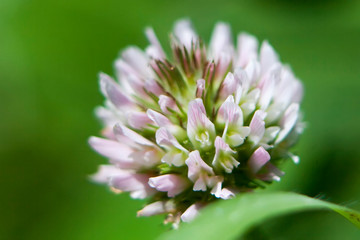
[201,124]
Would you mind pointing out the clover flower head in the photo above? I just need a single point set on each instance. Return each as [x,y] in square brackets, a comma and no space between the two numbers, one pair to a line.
[200,124]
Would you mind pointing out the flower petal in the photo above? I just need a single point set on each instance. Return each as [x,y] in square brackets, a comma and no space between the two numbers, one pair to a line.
[185,33]
[171,183]
[138,120]
[109,148]
[121,131]
[257,126]
[200,129]
[158,118]
[165,139]
[136,184]
[221,40]
[258,159]
[247,49]
[113,92]
[166,103]
[157,208]
[105,173]
[191,212]
[157,50]
[196,166]
[223,158]
[268,57]
[288,121]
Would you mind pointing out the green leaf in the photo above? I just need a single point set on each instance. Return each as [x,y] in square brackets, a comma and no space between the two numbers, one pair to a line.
[232,218]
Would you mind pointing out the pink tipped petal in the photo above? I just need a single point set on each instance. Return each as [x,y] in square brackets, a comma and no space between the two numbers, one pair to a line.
[121,131]
[229,85]
[113,92]
[273,174]
[105,173]
[153,87]
[197,166]
[185,33]
[216,182]
[138,120]
[200,129]
[267,92]
[166,139]
[258,159]
[134,183]
[221,40]
[158,118]
[257,127]
[227,193]
[157,208]
[288,121]
[191,213]
[200,87]
[171,183]
[268,57]
[166,103]
[270,134]
[242,77]
[247,49]
[223,64]
[155,44]
[253,71]
[138,61]
[109,148]
[223,158]
[231,112]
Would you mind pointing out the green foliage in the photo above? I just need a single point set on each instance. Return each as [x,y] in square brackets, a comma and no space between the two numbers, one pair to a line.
[232,218]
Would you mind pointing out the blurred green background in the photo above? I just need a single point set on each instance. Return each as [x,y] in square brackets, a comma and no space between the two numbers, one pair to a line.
[51,53]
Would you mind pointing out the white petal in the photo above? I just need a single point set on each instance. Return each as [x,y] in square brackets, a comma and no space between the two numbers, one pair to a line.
[267,91]
[288,121]
[120,131]
[185,33]
[109,148]
[171,183]
[247,49]
[198,121]
[138,120]
[196,166]
[216,182]
[229,85]
[223,158]
[113,92]
[166,103]
[191,212]
[158,50]
[270,134]
[134,183]
[268,57]
[221,40]
[156,208]
[257,126]
[165,139]
[227,193]
[231,112]
[158,118]
[137,60]
[105,173]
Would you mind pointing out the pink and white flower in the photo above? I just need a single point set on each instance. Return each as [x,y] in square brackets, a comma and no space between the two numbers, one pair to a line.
[200,125]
